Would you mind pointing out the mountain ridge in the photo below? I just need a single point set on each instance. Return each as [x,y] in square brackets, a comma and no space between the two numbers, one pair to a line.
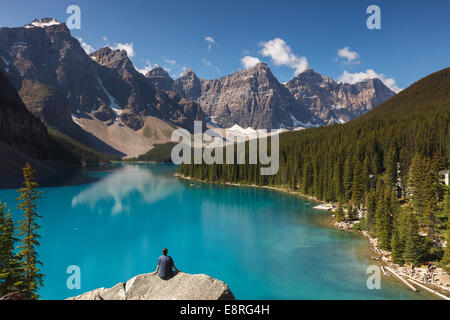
[102,100]
[310,97]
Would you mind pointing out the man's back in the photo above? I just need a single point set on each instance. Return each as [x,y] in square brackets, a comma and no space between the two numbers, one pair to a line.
[165,267]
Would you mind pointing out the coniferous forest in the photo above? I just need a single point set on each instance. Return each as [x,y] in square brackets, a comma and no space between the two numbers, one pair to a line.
[385,168]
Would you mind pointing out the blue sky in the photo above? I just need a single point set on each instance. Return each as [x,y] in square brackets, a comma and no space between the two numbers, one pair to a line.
[213,37]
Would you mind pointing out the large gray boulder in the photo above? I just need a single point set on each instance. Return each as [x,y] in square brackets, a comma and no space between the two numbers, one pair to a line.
[147,286]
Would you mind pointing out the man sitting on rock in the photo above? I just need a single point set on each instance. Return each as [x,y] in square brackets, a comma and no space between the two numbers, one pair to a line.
[165,265]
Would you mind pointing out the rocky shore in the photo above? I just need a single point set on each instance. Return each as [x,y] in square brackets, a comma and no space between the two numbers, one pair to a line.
[437,283]
[147,286]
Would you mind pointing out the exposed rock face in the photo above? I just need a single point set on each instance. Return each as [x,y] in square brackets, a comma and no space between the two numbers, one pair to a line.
[183,286]
[160,79]
[251,98]
[189,85]
[255,98]
[61,84]
[136,97]
[331,101]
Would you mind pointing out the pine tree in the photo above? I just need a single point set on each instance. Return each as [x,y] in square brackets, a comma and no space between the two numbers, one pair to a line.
[433,192]
[371,205]
[437,164]
[432,210]
[357,185]
[347,180]
[365,180]
[446,258]
[397,246]
[384,218]
[338,186]
[416,186]
[391,168]
[405,162]
[412,252]
[28,227]
[10,271]
[340,215]
[306,178]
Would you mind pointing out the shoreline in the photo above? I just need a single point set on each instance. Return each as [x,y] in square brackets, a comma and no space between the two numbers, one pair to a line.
[441,290]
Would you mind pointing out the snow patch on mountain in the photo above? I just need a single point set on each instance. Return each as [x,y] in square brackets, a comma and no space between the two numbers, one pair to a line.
[42,24]
[5,61]
[112,101]
[301,124]
[337,107]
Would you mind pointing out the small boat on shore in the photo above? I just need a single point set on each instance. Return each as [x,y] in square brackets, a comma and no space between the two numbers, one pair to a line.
[326,207]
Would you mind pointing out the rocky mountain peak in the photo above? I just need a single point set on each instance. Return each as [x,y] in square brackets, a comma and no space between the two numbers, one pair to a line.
[160,78]
[43,23]
[189,73]
[158,72]
[188,85]
[261,66]
[375,83]
[333,101]
[309,77]
[112,58]
[260,76]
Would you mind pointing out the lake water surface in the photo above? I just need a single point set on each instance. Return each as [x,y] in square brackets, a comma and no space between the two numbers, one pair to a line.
[113,222]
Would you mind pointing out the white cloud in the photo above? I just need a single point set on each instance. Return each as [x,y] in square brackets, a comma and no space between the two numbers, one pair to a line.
[184,68]
[148,66]
[351,57]
[174,62]
[128,47]
[87,48]
[249,62]
[210,42]
[369,74]
[281,54]
[206,63]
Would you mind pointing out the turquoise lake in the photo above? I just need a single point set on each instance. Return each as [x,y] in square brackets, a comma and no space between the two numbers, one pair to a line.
[114,221]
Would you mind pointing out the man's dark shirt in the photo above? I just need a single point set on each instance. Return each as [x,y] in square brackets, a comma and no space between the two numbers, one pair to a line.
[165,267]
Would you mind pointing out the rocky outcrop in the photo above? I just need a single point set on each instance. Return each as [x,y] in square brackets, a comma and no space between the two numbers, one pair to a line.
[182,286]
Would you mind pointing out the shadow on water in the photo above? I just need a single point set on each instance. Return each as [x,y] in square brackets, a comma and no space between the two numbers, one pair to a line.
[73,177]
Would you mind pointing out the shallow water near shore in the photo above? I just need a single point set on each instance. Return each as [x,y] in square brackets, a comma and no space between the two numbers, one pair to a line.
[113,221]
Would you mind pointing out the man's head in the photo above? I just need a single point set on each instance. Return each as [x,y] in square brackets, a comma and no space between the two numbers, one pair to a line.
[165,251]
